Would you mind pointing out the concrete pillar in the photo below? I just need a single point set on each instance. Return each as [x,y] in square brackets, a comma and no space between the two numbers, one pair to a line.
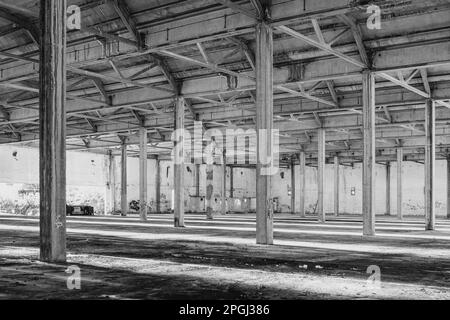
[448,188]
[224,184]
[336,186]
[264,126]
[209,190]
[158,185]
[430,165]
[399,183]
[388,189]
[293,185]
[110,197]
[302,185]
[179,164]
[52,134]
[143,141]
[123,182]
[321,175]
[368,183]
[231,182]
[197,180]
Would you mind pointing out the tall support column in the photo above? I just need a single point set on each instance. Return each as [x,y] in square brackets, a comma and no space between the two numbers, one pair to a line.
[158,185]
[231,182]
[399,183]
[143,141]
[224,184]
[197,180]
[368,183]
[448,188]
[179,164]
[124,182]
[264,126]
[293,185]
[430,164]
[388,189]
[302,169]
[336,186]
[209,190]
[52,124]
[321,175]
[110,202]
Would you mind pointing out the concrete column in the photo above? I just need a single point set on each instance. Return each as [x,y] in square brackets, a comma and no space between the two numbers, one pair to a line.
[336,186]
[123,182]
[264,126]
[430,165]
[209,191]
[293,185]
[302,185]
[231,182]
[448,188]
[388,189]
[179,164]
[224,184]
[52,124]
[143,141]
[321,175]
[197,180]
[399,183]
[368,183]
[158,185]
[110,199]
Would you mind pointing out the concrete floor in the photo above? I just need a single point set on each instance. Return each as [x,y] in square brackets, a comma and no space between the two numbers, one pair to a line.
[122,258]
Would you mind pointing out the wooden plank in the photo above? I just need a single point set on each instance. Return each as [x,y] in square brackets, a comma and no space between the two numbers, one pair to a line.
[52,134]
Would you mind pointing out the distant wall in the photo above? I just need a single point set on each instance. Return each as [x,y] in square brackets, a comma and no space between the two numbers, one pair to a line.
[87,178]
[19,178]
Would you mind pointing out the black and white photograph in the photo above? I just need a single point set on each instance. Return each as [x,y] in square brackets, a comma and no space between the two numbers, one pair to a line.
[226,157]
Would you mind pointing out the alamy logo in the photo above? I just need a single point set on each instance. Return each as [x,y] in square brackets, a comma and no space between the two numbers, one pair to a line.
[374,280]
[374,21]
[239,144]
[74,18]
[74,280]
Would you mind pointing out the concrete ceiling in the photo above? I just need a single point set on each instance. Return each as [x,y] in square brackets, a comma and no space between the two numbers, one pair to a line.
[129,61]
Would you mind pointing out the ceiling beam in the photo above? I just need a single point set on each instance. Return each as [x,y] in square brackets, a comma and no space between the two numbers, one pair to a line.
[22,21]
[238,8]
[305,95]
[324,47]
[121,8]
[357,35]
[403,84]
[210,66]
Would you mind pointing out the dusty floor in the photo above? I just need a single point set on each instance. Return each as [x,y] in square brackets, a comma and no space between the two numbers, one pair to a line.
[122,258]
